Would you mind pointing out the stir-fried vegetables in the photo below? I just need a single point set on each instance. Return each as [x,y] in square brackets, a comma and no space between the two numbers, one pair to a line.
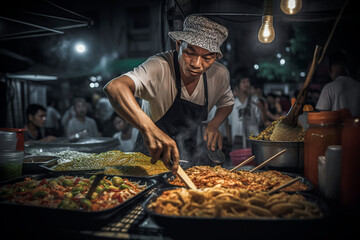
[68,192]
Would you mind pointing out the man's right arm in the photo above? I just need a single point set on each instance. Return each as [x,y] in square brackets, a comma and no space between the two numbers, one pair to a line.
[120,92]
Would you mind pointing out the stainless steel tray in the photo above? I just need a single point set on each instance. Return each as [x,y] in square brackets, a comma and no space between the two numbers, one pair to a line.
[52,217]
[310,187]
[252,228]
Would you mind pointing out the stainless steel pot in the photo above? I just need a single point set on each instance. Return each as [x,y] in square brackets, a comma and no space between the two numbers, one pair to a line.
[292,160]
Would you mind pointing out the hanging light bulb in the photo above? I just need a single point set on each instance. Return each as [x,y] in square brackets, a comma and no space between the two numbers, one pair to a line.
[266,33]
[291,7]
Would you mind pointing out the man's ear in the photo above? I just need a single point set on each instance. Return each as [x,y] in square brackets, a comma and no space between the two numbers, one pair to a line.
[178,43]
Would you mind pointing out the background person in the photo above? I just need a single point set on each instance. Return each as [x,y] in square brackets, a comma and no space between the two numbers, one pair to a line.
[247,115]
[343,91]
[36,117]
[126,134]
[80,121]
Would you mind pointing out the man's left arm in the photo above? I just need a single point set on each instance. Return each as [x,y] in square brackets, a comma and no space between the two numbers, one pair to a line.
[212,134]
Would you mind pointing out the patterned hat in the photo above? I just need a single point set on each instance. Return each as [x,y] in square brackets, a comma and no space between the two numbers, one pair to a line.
[202,32]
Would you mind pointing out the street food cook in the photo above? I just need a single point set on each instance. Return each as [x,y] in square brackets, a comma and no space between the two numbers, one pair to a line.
[180,88]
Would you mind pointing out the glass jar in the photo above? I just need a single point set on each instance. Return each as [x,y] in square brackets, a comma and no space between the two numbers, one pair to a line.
[324,130]
[350,164]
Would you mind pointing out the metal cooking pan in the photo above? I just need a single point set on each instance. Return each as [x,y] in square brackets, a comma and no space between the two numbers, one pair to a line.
[252,228]
[37,216]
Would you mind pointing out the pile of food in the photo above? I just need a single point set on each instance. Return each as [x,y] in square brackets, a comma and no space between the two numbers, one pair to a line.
[68,192]
[266,134]
[115,162]
[206,176]
[230,203]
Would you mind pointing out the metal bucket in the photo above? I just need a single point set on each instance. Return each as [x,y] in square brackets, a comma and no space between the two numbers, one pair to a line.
[290,161]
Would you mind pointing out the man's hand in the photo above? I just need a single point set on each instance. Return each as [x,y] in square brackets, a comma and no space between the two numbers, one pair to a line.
[213,137]
[161,147]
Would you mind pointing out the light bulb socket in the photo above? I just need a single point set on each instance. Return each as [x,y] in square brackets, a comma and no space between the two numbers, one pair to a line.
[268,7]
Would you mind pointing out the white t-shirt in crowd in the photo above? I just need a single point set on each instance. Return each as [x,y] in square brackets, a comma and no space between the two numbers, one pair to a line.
[127,145]
[252,122]
[76,126]
[343,92]
[155,82]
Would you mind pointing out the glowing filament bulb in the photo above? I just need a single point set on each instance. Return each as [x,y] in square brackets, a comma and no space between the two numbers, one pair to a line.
[266,33]
[291,7]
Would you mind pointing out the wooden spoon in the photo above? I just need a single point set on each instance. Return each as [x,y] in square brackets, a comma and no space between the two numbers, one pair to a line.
[288,129]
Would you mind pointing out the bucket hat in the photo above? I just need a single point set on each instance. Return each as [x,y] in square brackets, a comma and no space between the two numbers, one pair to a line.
[202,32]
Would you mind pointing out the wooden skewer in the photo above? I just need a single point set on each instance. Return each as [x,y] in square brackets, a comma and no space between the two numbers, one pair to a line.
[243,163]
[267,161]
[292,181]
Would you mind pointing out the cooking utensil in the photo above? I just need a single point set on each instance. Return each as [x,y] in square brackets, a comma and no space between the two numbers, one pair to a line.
[267,161]
[288,129]
[243,163]
[291,161]
[185,178]
[292,181]
[94,184]
[216,156]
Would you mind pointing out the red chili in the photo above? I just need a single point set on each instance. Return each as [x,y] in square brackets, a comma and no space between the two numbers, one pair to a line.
[76,181]
[44,181]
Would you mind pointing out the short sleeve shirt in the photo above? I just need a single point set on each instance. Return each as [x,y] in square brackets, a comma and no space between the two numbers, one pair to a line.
[155,82]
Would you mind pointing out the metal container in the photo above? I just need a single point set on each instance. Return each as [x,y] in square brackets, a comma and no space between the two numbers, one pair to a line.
[86,144]
[31,164]
[290,161]
[8,141]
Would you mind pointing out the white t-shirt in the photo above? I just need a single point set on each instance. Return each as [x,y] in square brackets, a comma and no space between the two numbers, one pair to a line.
[76,126]
[155,82]
[343,92]
[127,145]
[253,118]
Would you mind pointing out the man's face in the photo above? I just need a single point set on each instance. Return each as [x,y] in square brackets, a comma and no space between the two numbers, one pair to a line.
[193,60]
[38,119]
[80,109]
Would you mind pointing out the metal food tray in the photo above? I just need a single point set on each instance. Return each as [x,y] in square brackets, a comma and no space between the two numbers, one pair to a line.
[54,217]
[310,187]
[49,167]
[251,228]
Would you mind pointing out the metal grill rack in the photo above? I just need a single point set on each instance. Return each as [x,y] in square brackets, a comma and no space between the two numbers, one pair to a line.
[130,224]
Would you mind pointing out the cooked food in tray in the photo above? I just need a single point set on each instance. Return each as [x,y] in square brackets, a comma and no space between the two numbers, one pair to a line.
[265,134]
[115,163]
[232,203]
[206,176]
[68,192]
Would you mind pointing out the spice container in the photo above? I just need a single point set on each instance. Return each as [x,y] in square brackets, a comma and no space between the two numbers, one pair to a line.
[324,130]
[350,164]
[11,163]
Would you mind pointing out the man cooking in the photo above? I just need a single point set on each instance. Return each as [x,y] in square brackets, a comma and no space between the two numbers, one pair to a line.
[179,88]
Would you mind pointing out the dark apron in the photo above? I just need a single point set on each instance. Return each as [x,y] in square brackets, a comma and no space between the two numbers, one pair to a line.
[183,118]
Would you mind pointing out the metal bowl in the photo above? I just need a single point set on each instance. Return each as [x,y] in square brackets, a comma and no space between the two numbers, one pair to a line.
[290,161]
